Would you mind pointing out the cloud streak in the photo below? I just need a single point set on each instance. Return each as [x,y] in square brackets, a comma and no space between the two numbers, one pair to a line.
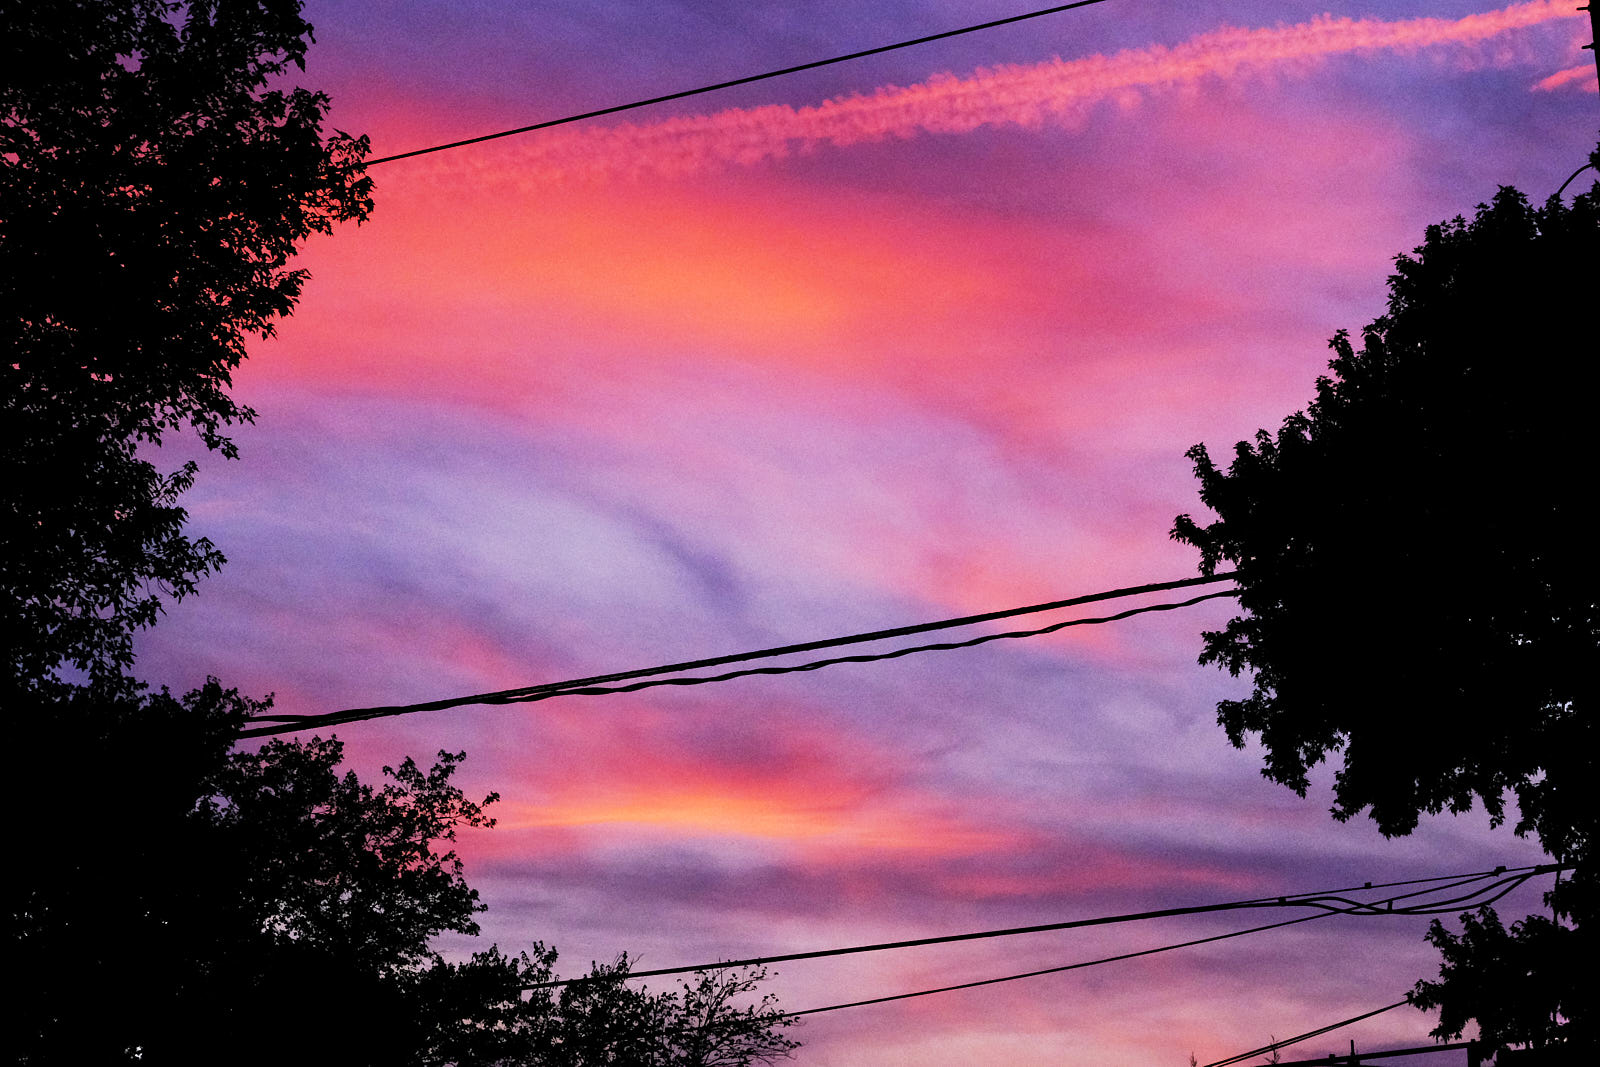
[1579,76]
[1056,91]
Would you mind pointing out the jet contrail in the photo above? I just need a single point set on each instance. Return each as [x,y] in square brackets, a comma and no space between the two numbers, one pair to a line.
[1056,91]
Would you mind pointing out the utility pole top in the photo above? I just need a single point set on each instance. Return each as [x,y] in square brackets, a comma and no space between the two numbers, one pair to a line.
[1593,8]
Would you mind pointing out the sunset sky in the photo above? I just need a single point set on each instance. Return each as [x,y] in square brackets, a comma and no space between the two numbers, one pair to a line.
[917,336]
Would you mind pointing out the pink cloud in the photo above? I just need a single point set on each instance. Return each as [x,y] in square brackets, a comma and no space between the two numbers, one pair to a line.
[1581,76]
[821,791]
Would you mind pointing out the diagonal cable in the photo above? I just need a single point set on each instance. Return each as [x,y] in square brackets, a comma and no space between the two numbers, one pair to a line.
[875,657]
[290,723]
[1365,908]
[1327,901]
[746,80]
[1057,970]
[1286,1042]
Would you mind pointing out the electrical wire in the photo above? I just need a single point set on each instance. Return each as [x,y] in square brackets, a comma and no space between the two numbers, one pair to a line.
[746,80]
[591,685]
[1383,1053]
[1435,908]
[1367,907]
[1328,901]
[871,657]
[779,1016]
[1264,1049]
[1056,970]
[1334,1059]
[1573,178]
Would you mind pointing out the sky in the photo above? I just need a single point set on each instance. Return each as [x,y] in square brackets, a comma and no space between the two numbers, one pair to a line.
[917,336]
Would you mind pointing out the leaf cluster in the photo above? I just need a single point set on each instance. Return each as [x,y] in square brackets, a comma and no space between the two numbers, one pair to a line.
[259,907]
[216,890]
[156,176]
[1415,549]
[338,866]
[1524,986]
[487,1014]
[1415,558]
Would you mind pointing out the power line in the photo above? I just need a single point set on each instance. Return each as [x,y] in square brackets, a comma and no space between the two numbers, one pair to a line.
[682,94]
[779,1016]
[1336,1060]
[592,685]
[1504,887]
[1056,970]
[874,657]
[1573,178]
[1264,1049]
[1329,901]
[1026,974]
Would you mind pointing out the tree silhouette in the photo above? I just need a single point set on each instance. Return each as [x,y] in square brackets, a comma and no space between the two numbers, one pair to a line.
[153,189]
[600,1020]
[1415,559]
[214,890]
[190,904]
[172,901]
[1523,986]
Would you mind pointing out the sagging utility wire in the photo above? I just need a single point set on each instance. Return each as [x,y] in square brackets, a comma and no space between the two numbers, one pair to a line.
[1483,895]
[1327,901]
[1057,970]
[599,684]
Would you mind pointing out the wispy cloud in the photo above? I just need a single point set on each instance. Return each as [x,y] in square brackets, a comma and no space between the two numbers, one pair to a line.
[1582,75]
[1056,91]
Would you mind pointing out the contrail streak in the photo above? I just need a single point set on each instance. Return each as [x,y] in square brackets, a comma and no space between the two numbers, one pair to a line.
[1056,91]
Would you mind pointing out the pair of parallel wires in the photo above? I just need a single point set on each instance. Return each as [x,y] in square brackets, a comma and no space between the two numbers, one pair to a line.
[651,677]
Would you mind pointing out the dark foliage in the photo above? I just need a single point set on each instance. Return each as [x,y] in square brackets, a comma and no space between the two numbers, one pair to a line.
[155,177]
[184,900]
[1415,549]
[1506,981]
[1415,554]
[599,1021]
[177,902]
[189,904]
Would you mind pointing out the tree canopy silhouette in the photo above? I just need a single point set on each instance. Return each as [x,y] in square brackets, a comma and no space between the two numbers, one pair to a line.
[600,1020]
[193,904]
[155,178]
[174,901]
[217,892]
[1415,558]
